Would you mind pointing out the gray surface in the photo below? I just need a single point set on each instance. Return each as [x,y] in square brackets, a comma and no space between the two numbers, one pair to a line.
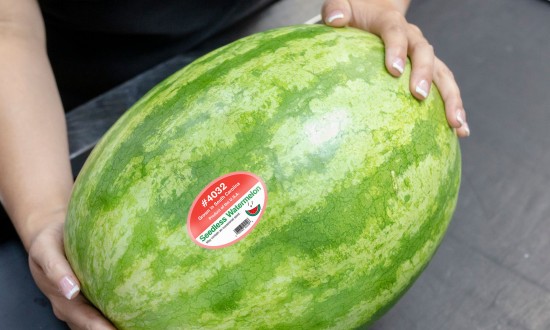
[492,270]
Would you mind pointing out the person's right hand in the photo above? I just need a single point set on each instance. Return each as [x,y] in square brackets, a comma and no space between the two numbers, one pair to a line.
[54,277]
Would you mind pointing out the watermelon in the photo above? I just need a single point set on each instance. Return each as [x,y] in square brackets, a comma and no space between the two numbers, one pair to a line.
[356,180]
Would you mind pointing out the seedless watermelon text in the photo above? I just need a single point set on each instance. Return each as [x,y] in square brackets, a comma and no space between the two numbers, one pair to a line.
[213,229]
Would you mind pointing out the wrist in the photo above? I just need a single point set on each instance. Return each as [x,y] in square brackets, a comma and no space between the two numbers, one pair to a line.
[30,226]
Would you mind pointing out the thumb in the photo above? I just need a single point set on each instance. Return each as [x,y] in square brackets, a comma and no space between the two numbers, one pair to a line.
[336,13]
[48,255]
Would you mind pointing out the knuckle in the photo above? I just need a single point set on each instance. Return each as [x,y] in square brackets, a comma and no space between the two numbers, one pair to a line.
[395,29]
[91,319]
[427,46]
[443,72]
[32,252]
[50,265]
[58,313]
[36,251]
[93,324]
[426,55]
[38,243]
[430,48]
[422,44]
[448,73]
[44,241]
[395,17]
[414,29]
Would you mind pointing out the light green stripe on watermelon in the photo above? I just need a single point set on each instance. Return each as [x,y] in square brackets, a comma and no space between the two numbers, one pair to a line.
[362,181]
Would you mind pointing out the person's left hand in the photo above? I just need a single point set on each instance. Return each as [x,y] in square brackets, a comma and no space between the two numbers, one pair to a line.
[55,278]
[386,19]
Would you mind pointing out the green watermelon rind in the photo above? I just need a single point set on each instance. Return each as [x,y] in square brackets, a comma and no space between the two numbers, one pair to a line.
[355,215]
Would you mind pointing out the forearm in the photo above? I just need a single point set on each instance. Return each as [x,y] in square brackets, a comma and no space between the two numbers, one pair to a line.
[35,176]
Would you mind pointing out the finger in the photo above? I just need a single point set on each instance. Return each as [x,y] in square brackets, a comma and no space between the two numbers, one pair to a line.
[84,316]
[450,92]
[464,129]
[336,13]
[80,314]
[391,27]
[47,253]
[422,59]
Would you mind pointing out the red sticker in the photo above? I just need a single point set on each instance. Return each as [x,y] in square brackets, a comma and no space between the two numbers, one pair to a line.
[227,210]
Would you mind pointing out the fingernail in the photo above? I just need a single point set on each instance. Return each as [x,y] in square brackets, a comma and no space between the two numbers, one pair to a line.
[337,14]
[466,128]
[459,118]
[68,287]
[399,65]
[422,88]
[463,123]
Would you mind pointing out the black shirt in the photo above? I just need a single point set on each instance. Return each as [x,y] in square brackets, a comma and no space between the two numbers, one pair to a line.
[95,45]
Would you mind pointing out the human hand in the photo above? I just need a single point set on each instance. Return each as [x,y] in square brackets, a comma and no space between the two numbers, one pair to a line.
[386,19]
[53,275]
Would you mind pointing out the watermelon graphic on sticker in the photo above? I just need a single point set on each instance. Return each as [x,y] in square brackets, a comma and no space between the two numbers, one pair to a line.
[254,211]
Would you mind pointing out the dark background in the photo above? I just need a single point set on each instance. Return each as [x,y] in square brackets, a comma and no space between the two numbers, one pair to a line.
[492,270]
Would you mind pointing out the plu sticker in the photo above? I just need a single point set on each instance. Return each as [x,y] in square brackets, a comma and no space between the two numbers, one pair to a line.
[227,210]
